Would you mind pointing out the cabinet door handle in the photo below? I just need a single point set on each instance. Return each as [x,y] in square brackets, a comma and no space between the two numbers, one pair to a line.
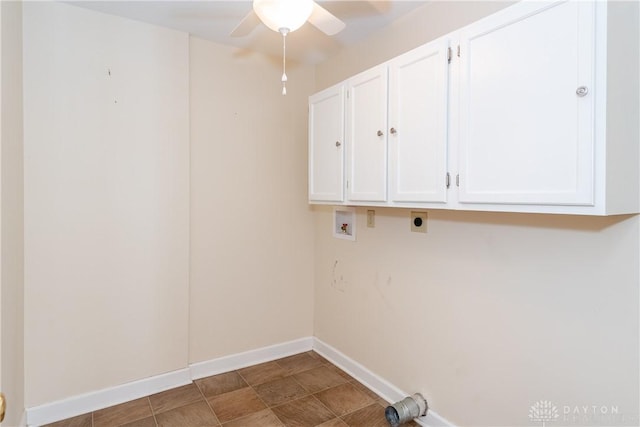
[393,131]
[338,144]
[582,91]
[380,133]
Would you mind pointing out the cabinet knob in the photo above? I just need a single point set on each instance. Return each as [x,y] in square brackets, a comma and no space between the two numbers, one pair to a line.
[380,133]
[3,406]
[338,144]
[582,91]
[393,131]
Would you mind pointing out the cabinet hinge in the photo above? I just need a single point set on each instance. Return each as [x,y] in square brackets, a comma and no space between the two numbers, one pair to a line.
[448,176]
[449,54]
[458,51]
[347,184]
[458,180]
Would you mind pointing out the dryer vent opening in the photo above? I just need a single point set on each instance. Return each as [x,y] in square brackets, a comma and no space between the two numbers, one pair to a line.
[406,410]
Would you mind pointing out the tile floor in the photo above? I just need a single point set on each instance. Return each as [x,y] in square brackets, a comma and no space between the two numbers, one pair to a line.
[304,390]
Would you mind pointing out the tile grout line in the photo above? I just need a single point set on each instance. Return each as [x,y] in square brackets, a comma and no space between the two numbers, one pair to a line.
[153,412]
[325,406]
[350,380]
[207,402]
[258,394]
[292,376]
[312,395]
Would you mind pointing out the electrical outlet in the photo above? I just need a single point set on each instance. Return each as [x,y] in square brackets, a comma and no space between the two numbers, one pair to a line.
[371,218]
[419,222]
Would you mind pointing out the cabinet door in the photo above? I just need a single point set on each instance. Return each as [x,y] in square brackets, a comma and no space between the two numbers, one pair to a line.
[326,145]
[526,106]
[418,124]
[367,136]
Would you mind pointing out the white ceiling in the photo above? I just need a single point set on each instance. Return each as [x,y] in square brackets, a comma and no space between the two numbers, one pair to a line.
[215,19]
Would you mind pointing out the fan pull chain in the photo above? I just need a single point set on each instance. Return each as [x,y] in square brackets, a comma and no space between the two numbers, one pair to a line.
[284,32]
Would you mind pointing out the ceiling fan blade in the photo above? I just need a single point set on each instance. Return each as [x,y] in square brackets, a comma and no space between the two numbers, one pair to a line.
[325,21]
[246,26]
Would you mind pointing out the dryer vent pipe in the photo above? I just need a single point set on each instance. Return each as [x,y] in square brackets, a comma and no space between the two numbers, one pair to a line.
[406,410]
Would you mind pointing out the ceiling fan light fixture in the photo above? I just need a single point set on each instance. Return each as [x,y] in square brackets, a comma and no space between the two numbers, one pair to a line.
[289,14]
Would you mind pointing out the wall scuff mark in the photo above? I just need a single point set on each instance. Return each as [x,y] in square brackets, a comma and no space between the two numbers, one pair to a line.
[337,280]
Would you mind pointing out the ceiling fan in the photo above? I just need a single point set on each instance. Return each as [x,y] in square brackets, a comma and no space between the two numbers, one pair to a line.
[284,16]
[289,14]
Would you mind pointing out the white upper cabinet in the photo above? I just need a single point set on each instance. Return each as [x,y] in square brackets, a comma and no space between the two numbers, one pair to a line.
[397,129]
[367,136]
[417,132]
[536,111]
[548,109]
[526,106]
[326,145]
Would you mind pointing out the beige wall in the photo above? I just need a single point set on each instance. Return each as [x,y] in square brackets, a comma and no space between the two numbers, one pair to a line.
[106,200]
[11,214]
[487,313]
[251,227]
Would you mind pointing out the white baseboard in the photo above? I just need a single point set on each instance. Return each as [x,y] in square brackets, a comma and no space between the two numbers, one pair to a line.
[78,405]
[249,358]
[82,404]
[375,383]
